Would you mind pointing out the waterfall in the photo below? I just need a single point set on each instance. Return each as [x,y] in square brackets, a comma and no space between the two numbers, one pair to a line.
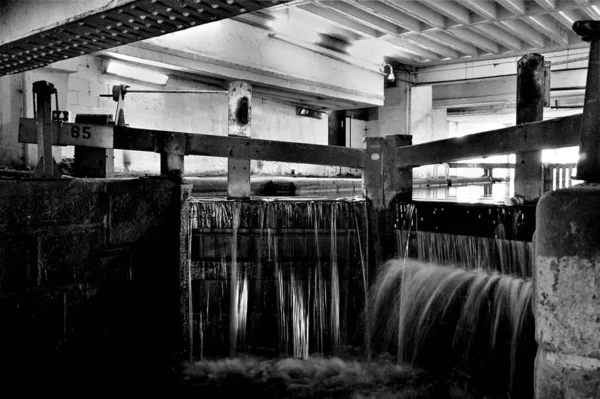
[446,318]
[289,275]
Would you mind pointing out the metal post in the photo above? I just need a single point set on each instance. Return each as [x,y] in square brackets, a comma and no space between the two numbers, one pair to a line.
[588,166]
[240,125]
[46,166]
[530,108]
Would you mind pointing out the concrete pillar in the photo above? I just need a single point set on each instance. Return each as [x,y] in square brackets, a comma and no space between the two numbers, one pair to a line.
[566,301]
[567,294]
[426,123]
[393,116]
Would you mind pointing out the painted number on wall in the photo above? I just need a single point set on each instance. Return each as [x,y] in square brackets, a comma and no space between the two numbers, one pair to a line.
[77,131]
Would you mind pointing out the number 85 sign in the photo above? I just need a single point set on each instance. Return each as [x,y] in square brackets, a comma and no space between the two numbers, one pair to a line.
[79,134]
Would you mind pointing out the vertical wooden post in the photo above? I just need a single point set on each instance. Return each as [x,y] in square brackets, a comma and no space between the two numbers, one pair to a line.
[383,183]
[547,179]
[399,180]
[185,276]
[588,165]
[46,166]
[530,108]
[172,150]
[239,124]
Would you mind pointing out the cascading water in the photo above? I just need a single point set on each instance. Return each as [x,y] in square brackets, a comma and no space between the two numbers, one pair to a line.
[445,319]
[290,277]
[283,266]
[482,237]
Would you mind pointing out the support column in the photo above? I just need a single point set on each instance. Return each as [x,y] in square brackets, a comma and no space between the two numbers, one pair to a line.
[240,125]
[384,183]
[566,300]
[530,108]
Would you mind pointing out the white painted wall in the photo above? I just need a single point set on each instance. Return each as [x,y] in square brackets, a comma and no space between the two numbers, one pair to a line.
[188,113]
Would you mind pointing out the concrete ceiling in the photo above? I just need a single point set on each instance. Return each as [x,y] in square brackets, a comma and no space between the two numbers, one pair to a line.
[423,34]
[33,35]
[430,32]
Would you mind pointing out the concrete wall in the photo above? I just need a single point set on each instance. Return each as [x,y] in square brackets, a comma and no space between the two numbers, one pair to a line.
[426,123]
[11,108]
[88,279]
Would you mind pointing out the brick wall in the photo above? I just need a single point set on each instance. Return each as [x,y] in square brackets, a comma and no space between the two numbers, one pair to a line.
[89,279]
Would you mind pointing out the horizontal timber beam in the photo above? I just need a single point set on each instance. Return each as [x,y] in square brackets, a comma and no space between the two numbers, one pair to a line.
[549,134]
[127,138]
[482,165]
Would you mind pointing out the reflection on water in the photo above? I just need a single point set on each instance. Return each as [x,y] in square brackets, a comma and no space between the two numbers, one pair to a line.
[493,192]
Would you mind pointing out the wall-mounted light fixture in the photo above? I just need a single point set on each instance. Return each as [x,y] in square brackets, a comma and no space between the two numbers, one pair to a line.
[112,67]
[391,77]
[311,113]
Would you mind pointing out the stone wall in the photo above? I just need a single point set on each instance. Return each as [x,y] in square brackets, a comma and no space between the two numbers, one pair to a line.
[89,274]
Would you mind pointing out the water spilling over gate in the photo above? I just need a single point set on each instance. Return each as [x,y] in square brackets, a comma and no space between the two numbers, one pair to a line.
[272,277]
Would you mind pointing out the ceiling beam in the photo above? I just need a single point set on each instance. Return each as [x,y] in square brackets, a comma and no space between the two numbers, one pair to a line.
[431,45]
[487,9]
[413,49]
[514,6]
[298,99]
[450,9]
[319,24]
[499,35]
[587,8]
[363,17]
[418,11]
[524,31]
[334,17]
[453,42]
[549,27]
[567,17]
[476,39]
[384,11]
[548,5]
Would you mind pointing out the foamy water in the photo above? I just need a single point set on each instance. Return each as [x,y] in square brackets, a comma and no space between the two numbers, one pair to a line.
[318,377]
